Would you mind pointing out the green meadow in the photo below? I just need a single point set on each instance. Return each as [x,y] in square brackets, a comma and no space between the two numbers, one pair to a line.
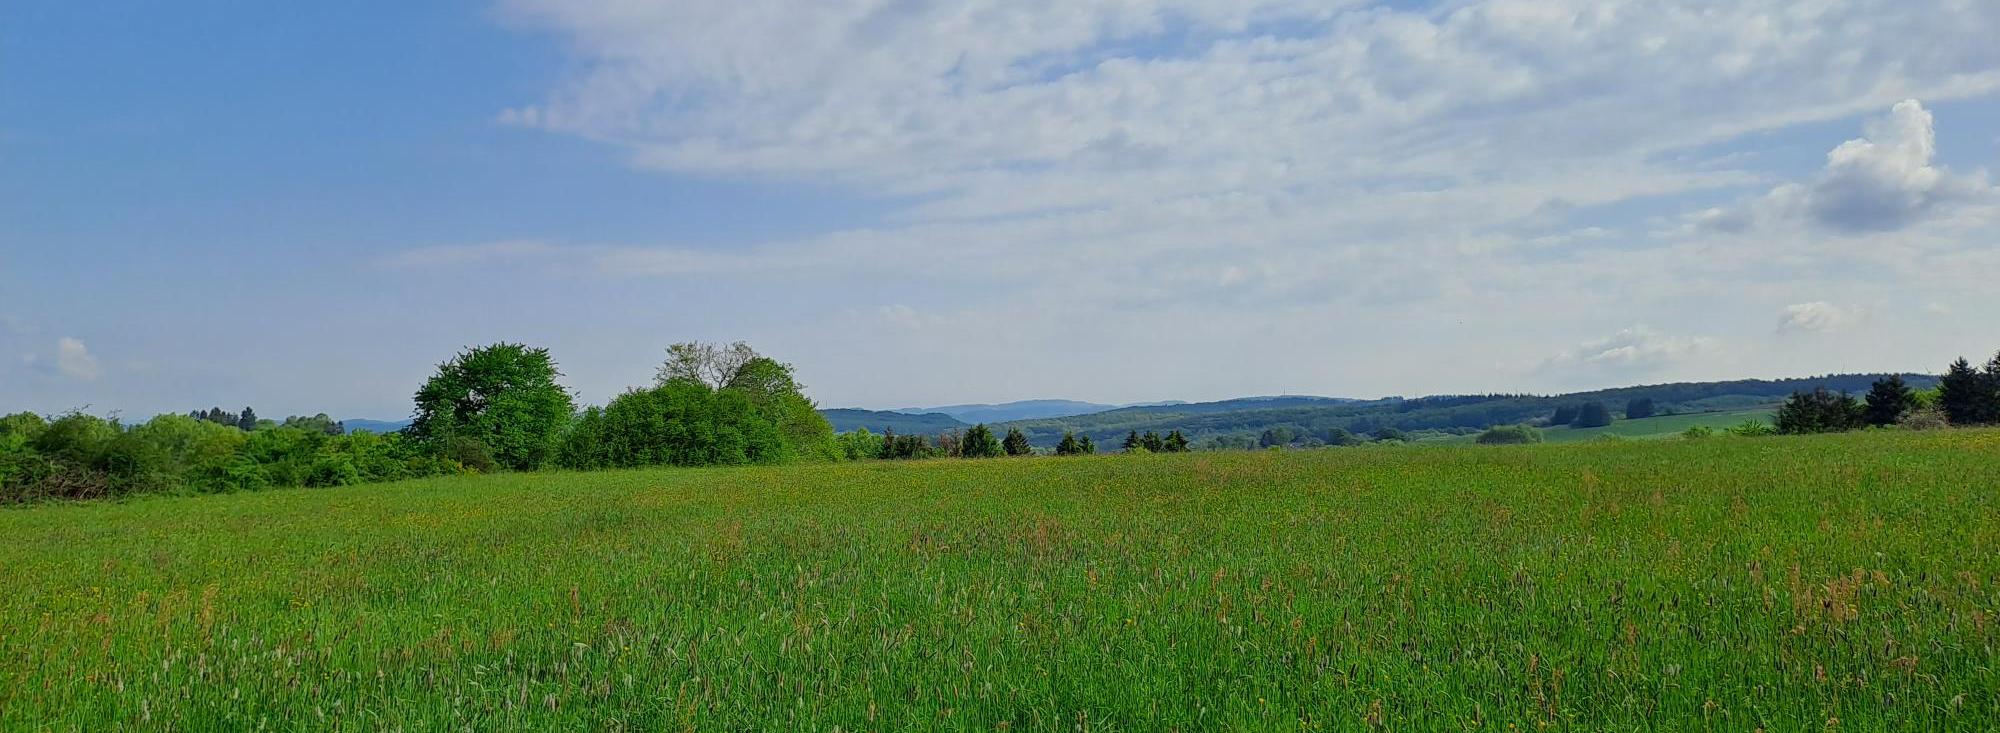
[1842,582]
[1662,426]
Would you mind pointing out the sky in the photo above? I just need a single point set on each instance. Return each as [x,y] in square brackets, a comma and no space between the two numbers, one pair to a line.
[305,207]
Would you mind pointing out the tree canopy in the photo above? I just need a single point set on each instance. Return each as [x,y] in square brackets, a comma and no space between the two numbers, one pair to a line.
[503,397]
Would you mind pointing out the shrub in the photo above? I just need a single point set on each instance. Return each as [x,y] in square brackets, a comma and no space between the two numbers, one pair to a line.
[1698,432]
[1752,429]
[1510,435]
[1924,418]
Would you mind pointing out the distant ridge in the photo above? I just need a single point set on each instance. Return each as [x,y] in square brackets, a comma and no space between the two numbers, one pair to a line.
[375,426]
[879,421]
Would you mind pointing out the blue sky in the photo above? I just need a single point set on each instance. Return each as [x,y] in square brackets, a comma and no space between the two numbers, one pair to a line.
[305,208]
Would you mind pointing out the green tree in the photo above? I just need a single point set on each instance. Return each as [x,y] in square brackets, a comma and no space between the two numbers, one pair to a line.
[980,443]
[1888,399]
[1640,408]
[1391,435]
[771,389]
[1016,443]
[504,397]
[1564,415]
[1069,445]
[248,421]
[1510,435]
[1089,446]
[1969,396]
[1820,411]
[1132,441]
[1175,442]
[1152,441]
[1341,437]
[1591,415]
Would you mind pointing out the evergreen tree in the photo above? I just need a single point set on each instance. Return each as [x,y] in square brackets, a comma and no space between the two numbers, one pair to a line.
[1820,411]
[1089,446]
[1069,445]
[1640,408]
[248,421]
[1177,443]
[1016,443]
[1888,399]
[1152,442]
[979,443]
[1132,441]
[1565,414]
[1968,396]
[1591,415]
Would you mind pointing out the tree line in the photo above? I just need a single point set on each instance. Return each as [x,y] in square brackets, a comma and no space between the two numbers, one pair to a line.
[1964,396]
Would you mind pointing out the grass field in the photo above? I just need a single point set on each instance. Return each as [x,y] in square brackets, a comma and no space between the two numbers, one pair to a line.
[1842,582]
[1663,426]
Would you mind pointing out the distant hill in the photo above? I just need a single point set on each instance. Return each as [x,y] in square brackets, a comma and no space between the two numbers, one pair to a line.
[375,426]
[877,421]
[1316,416]
[1022,410]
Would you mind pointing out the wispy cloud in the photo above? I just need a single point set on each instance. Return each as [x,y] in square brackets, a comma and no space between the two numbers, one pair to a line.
[460,255]
[75,361]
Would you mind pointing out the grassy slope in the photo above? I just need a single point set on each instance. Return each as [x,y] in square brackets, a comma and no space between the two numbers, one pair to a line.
[1728,583]
[1664,426]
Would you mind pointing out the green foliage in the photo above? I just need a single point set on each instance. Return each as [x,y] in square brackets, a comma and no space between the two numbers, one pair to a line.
[1888,399]
[859,445]
[1340,437]
[1069,445]
[680,423]
[979,443]
[1752,429]
[1640,408]
[1391,435]
[1698,432]
[1591,415]
[1152,442]
[1820,411]
[1132,442]
[319,422]
[1175,442]
[1564,415]
[1510,435]
[1016,443]
[504,396]
[907,447]
[1276,437]
[1971,396]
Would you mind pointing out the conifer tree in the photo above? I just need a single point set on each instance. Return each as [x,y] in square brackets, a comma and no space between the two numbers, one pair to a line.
[1016,443]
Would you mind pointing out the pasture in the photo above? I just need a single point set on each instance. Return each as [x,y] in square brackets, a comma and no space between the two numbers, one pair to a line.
[1844,582]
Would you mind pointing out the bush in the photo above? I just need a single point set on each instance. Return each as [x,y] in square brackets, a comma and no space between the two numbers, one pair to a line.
[1510,435]
[1924,418]
[1752,429]
[1698,432]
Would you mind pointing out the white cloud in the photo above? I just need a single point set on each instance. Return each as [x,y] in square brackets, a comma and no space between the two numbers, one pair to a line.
[1633,351]
[1815,317]
[74,360]
[1886,181]
[1314,167]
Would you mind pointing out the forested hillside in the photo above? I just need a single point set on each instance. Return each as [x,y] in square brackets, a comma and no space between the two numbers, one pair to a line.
[1241,423]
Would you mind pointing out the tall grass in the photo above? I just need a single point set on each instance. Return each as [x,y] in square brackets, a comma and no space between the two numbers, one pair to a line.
[1842,582]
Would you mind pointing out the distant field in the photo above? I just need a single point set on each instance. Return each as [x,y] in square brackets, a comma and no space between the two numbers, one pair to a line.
[1664,426]
[1825,583]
